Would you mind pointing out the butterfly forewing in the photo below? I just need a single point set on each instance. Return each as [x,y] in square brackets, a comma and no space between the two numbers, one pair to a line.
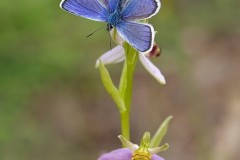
[140,9]
[90,9]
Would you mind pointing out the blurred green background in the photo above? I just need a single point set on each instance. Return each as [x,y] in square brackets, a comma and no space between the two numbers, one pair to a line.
[54,107]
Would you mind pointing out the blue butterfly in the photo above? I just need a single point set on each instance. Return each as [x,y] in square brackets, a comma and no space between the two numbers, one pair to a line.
[124,15]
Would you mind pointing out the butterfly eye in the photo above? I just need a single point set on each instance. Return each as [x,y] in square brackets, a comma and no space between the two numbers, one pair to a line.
[109,27]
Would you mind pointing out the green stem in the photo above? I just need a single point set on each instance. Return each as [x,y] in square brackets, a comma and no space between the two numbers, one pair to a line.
[125,88]
[125,125]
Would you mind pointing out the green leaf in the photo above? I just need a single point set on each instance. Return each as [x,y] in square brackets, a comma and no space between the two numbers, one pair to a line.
[161,132]
[110,87]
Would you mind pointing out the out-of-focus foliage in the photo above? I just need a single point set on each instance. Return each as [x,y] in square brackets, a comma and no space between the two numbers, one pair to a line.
[53,105]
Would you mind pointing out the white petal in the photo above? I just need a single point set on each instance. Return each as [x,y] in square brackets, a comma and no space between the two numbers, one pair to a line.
[115,55]
[152,69]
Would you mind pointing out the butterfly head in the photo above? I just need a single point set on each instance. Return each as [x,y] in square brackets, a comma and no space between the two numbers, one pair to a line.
[109,27]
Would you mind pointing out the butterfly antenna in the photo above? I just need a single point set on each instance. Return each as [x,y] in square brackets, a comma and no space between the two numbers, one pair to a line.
[94,32]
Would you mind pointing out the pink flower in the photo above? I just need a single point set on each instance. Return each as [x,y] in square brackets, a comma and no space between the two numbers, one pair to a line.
[135,152]
[125,154]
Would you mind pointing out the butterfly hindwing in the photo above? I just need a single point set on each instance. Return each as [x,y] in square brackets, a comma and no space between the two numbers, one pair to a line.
[140,9]
[138,35]
[90,9]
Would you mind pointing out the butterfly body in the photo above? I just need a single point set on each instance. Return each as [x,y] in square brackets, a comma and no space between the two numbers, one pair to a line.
[115,18]
[124,15]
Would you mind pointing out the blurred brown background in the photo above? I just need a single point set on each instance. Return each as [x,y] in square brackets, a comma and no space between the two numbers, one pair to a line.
[54,107]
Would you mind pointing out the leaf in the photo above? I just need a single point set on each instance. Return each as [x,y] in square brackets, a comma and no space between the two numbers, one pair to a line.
[110,87]
[161,132]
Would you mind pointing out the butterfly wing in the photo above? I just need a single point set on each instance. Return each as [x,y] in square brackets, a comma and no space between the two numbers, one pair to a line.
[90,9]
[138,35]
[140,9]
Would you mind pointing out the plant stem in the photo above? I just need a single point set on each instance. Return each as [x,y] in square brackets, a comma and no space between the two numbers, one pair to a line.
[125,88]
[125,125]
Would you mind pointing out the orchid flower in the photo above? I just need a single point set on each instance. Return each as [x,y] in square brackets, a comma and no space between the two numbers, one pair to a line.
[135,152]
[117,55]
